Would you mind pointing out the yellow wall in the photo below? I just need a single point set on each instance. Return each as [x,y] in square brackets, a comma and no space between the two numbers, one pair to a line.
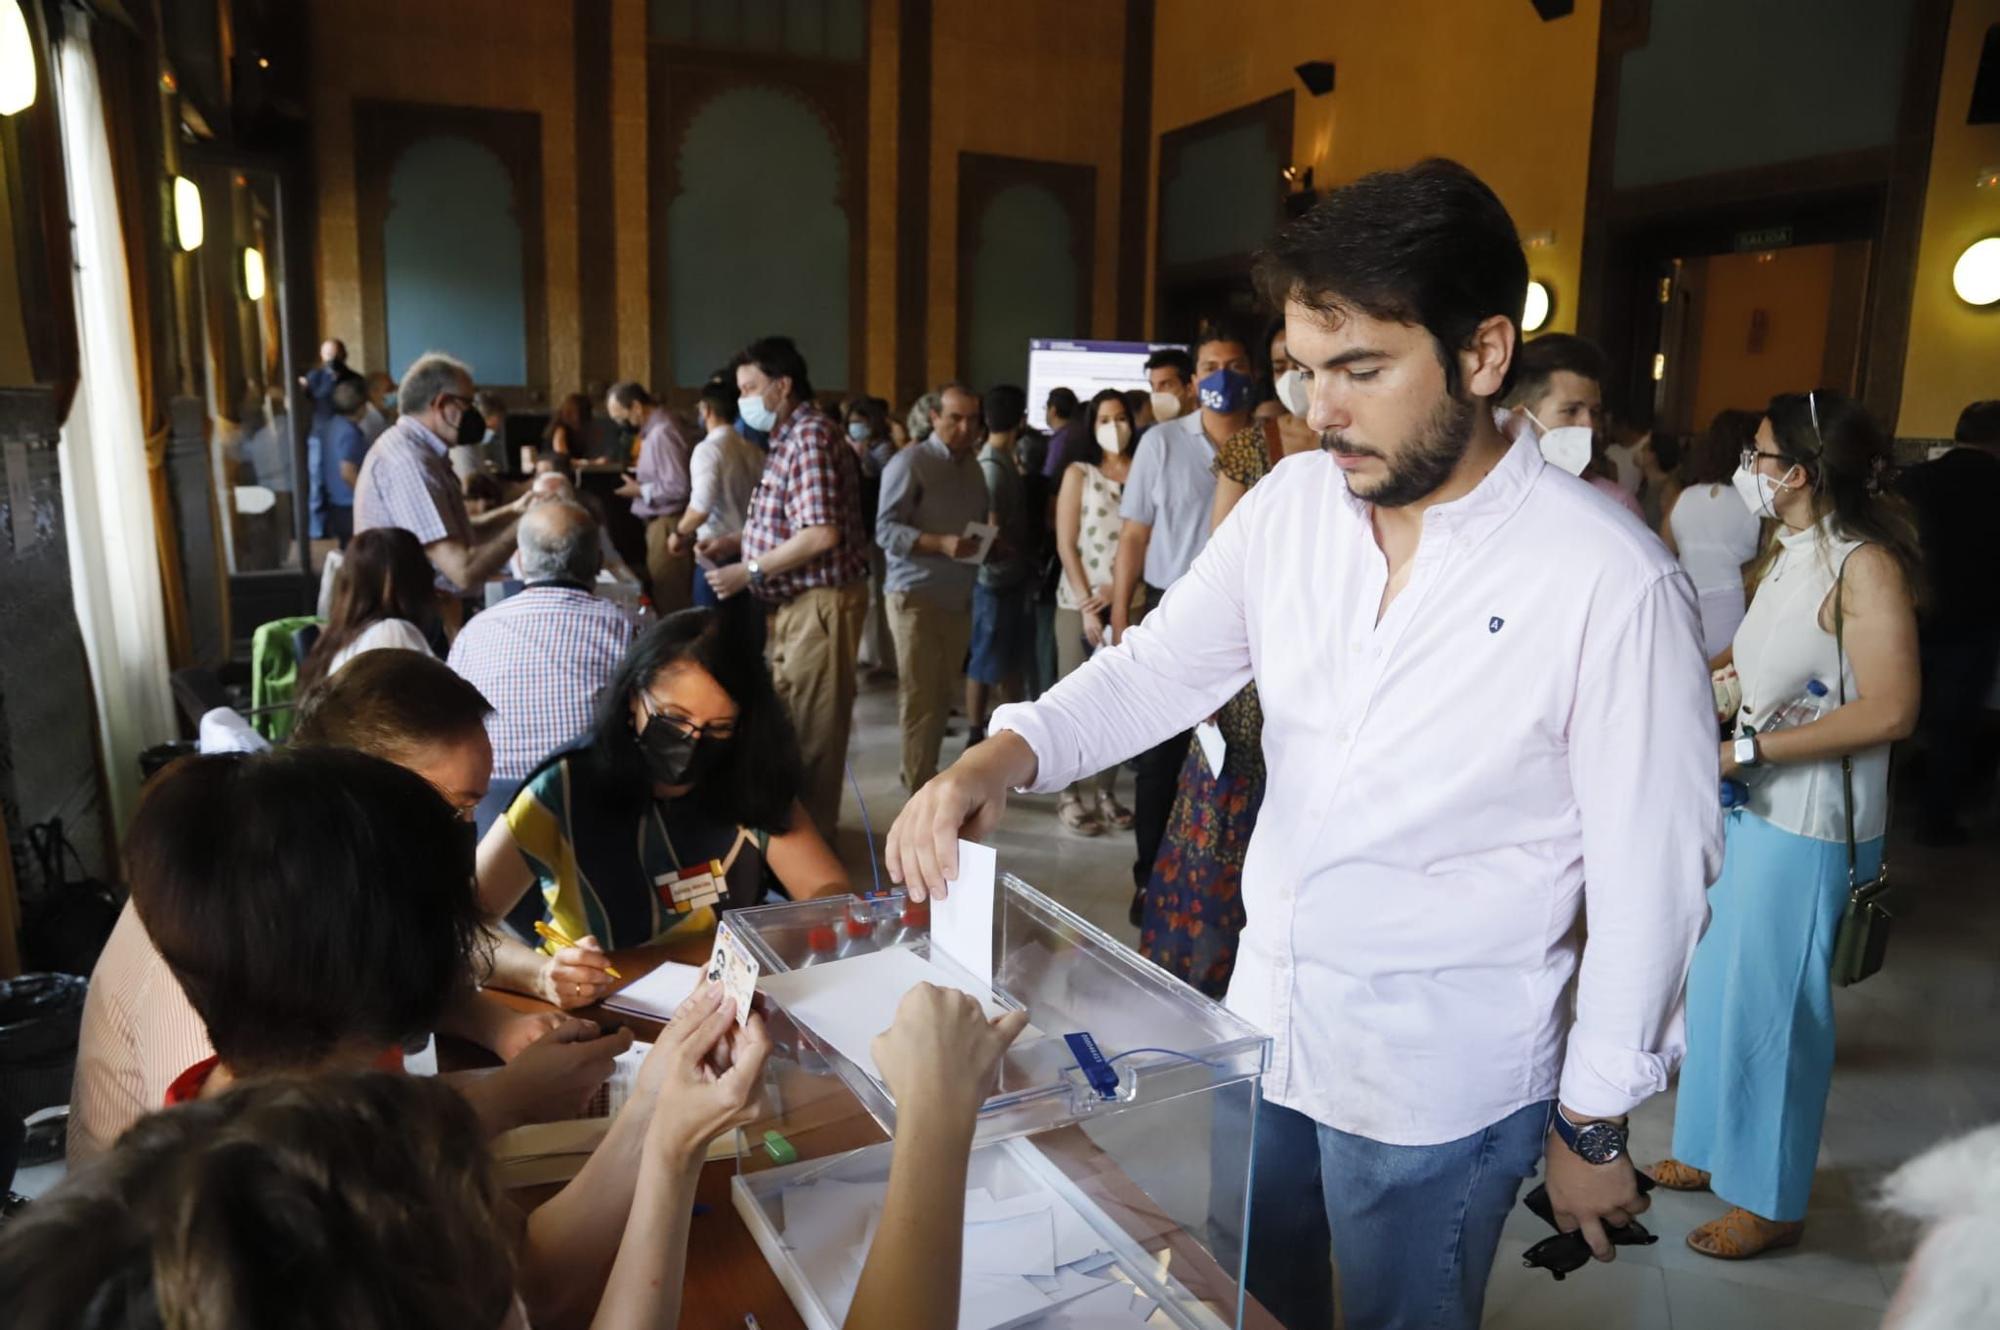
[1954,351]
[517,56]
[884,56]
[1484,81]
[1033,78]
[1794,288]
[1030,78]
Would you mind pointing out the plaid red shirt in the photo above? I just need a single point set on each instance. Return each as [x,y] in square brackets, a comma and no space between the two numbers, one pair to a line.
[812,478]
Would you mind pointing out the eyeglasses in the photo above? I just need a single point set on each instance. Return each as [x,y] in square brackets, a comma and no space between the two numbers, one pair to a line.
[1749,458]
[721,729]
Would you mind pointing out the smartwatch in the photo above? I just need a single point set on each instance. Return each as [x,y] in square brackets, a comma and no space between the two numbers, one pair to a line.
[1746,751]
[1596,1143]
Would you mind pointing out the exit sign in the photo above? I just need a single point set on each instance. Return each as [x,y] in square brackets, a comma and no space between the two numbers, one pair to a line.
[1765,237]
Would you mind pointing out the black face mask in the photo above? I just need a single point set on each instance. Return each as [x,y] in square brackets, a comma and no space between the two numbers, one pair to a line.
[674,758]
[471,428]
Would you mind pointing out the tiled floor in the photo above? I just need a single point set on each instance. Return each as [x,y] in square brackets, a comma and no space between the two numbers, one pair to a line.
[1919,1060]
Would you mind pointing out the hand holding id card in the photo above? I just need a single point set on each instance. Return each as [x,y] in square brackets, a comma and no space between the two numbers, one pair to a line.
[732,966]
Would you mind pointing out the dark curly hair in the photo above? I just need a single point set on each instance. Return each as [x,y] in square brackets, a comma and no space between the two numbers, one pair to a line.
[1431,246]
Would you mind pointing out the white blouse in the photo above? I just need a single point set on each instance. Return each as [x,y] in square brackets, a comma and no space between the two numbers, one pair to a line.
[1780,648]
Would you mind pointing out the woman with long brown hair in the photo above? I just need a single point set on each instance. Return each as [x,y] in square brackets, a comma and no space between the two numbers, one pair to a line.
[383,596]
[568,434]
[1827,659]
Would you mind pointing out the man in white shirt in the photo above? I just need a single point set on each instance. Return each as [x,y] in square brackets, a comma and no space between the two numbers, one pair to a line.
[1485,706]
[723,473]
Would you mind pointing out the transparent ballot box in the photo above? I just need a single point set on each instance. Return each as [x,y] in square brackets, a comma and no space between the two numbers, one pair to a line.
[1102,1198]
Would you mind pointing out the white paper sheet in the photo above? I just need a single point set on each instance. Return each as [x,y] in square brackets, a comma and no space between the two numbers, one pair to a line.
[848,1002]
[656,994]
[1213,746]
[962,919]
[1022,1245]
[1075,1239]
[983,532]
[995,1302]
[1113,1307]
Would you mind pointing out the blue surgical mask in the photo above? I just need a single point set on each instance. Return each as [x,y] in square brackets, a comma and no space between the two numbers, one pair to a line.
[857,430]
[1225,392]
[755,414]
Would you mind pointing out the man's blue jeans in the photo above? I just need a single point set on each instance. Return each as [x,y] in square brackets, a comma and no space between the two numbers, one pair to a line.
[1414,1228]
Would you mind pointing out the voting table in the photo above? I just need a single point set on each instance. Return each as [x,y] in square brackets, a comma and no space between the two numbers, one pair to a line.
[1109,1178]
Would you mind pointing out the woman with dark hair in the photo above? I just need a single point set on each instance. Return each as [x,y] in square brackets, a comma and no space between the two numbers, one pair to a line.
[568,432]
[1710,530]
[682,794]
[383,596]
[1087,524]
[1835,607]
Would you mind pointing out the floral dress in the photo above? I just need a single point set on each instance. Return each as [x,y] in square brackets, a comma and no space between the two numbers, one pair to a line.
[1194,902]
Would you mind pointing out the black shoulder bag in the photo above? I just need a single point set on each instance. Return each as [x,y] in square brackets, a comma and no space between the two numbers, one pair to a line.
[1863,939]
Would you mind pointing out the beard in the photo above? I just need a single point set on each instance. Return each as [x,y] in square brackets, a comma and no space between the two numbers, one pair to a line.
[1423,462]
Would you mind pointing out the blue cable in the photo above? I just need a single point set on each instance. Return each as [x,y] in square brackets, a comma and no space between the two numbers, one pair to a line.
[873,867]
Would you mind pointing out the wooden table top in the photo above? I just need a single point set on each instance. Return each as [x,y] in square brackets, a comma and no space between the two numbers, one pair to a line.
[728,1277]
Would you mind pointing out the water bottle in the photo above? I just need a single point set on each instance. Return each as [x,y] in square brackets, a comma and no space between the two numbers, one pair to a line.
[857,937]
[1802,710]
[820,946]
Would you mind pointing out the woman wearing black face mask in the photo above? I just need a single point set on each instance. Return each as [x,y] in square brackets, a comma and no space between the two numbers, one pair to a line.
[691,764]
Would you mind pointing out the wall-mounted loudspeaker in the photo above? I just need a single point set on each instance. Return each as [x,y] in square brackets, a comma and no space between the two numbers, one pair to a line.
[1317,75]
[1554,9]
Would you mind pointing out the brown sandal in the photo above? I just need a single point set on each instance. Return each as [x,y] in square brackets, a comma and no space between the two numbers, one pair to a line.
[1676,1176]
[1739,1235]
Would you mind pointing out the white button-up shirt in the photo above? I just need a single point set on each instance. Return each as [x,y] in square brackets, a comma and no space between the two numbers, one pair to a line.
[1526,733]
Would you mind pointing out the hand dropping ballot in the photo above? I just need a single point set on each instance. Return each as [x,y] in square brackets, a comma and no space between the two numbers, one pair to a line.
[848,1002]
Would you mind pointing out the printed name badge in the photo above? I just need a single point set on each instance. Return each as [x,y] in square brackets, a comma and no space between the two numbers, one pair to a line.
[692,888]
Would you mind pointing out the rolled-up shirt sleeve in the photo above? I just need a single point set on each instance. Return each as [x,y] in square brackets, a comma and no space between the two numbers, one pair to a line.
[896,529]
[705,474]
[1642,758]
[1186,659]
[1139,502]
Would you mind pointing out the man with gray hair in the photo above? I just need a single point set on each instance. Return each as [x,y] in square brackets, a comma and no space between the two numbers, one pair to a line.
[541,656]
[932,493]
[407,480]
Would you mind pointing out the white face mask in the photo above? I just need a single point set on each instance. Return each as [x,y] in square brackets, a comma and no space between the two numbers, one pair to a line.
[1568,447]
[1166,406]
[1758,491]
[1291,388]
[1111,436]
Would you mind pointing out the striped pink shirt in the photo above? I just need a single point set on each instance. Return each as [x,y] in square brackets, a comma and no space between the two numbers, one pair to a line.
[139,1033]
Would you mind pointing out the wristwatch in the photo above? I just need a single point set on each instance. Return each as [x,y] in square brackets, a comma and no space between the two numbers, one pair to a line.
[1746,751]
[1595,1143]
[756,572]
